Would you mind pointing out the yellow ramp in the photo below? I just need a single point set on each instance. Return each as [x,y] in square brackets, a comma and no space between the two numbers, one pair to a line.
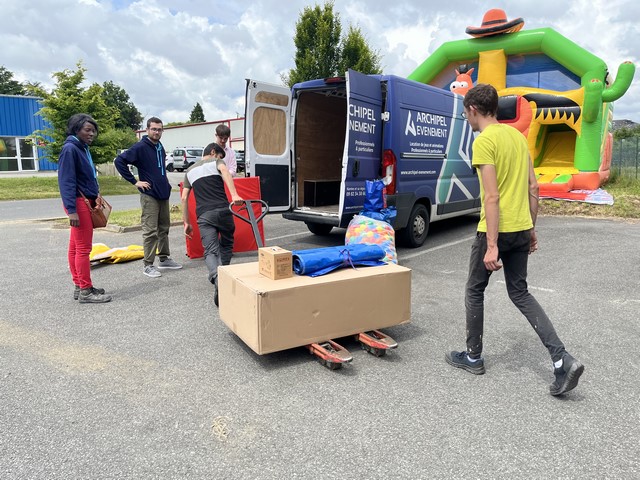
[558,155]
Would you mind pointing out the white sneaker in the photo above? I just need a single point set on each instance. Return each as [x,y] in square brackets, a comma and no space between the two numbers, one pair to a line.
[168,264]
[151,271]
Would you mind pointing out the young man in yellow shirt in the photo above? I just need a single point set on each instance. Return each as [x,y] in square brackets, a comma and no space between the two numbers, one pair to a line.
[505,236]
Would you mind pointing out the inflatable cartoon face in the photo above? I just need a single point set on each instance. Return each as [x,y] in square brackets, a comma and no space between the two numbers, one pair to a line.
[463,83]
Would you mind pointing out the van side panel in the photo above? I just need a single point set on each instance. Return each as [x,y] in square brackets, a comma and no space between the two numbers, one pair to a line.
[432,144]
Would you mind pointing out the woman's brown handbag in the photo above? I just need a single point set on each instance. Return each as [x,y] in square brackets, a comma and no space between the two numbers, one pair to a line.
[100,213]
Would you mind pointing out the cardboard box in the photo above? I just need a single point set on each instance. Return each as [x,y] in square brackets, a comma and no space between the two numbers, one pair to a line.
[275,263]
[272,316]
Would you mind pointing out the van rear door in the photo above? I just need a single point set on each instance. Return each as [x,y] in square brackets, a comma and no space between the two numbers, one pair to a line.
[363,143]
[267,141]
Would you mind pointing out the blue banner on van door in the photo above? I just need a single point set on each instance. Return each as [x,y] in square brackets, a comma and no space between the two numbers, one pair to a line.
[364,138]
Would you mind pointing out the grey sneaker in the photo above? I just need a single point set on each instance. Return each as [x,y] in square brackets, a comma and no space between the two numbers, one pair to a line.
[168,264]
[461,360]
[151,271]
[567,376]
[91,295]
[76,291]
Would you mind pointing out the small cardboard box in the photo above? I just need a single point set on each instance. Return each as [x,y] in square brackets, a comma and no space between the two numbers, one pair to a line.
[272,316]
[275,262]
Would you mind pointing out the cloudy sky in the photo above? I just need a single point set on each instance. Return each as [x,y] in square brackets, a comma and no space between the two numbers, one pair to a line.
[170,54]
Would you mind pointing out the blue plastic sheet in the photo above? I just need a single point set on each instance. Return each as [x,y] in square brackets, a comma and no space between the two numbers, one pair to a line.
[319,261]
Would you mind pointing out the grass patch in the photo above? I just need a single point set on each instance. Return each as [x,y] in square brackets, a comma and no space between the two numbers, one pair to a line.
[626,202]
[129,218]
[47,187]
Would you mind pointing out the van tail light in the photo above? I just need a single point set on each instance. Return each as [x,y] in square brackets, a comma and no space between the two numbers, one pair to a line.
[389,171]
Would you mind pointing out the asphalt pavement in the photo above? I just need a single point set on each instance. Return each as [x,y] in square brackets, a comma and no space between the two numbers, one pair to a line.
[154,385]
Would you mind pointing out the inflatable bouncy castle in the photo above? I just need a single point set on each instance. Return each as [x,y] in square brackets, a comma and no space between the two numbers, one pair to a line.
[556,93]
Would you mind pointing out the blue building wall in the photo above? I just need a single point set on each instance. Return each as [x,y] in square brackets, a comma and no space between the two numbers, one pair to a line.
[18,118]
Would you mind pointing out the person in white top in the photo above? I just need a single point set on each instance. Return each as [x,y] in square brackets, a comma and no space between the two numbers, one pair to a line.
[223,132]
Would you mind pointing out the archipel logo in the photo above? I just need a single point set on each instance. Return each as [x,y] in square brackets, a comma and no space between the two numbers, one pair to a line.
[411,127]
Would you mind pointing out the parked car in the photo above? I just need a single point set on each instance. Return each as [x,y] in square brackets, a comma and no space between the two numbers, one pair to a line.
[183,157]
[240,163]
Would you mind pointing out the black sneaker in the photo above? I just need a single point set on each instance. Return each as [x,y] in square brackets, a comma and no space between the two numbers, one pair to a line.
[76,291]
[461,360]
[567,376]
[215,294]
[91,295]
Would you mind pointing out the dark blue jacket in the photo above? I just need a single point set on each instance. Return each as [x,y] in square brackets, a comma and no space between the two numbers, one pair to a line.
[148,158]
[76,173]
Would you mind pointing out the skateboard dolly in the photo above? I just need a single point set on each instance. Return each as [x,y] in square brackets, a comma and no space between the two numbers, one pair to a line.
[375,342]
[330,354]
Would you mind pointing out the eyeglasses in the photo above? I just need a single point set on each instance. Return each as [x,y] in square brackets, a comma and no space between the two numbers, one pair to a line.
[464,115]
[157,130]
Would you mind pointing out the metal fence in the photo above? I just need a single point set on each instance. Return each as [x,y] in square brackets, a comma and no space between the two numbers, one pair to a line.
[626,157]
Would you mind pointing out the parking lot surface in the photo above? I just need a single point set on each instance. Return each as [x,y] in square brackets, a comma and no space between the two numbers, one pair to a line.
[154,385]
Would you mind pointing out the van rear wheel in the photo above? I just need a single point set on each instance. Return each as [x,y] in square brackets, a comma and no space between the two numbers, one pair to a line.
[321,229]
[415,233]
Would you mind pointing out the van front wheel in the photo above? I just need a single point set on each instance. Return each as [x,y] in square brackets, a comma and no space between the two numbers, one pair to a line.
[415,233]
[321,229]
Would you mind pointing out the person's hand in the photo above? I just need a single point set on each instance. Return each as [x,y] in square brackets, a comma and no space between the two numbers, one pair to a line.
[491,261]
[237,199]
[74,220]
[188,230]
[533,246]
[143,185]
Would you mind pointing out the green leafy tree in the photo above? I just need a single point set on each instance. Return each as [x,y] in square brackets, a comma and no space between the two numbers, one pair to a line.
[627,132]
[67,98]
[174,124]
[197,115]
[9,86]
[115,96]
[322,53]
[355,53]
[317,42]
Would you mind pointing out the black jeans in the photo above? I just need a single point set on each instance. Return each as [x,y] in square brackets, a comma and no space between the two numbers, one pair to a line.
[216,230]
[514,252]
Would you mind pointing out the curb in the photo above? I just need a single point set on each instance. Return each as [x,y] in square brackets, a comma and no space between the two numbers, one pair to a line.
[113,228]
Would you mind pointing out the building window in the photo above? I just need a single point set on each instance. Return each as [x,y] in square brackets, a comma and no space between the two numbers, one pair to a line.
[16,155]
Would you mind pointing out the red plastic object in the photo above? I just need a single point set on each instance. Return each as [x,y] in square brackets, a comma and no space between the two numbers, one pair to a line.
[244,240]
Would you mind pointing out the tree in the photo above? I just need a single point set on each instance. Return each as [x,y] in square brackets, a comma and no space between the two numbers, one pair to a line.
[317,41]
[320,51]
[197,115]
[9,86]
[115,96]
[356,54]
[627,132]
[68,98]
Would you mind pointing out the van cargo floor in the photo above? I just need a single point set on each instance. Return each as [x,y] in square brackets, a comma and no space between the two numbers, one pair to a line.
[325,209]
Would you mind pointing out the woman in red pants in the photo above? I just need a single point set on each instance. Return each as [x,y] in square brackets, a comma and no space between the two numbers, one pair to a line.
[77,177]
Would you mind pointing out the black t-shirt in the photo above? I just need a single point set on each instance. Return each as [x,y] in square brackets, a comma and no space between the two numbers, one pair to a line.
[207,184]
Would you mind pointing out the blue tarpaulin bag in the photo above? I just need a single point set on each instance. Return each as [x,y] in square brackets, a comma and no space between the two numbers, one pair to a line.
[319,261]
[374,200]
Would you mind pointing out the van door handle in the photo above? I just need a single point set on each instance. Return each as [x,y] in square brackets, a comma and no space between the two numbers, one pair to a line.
[356,168]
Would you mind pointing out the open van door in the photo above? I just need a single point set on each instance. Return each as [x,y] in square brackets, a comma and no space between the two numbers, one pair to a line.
[267,142]
[363,142]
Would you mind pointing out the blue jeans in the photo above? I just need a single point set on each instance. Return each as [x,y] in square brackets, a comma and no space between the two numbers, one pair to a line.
[514,252]
[216,230]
